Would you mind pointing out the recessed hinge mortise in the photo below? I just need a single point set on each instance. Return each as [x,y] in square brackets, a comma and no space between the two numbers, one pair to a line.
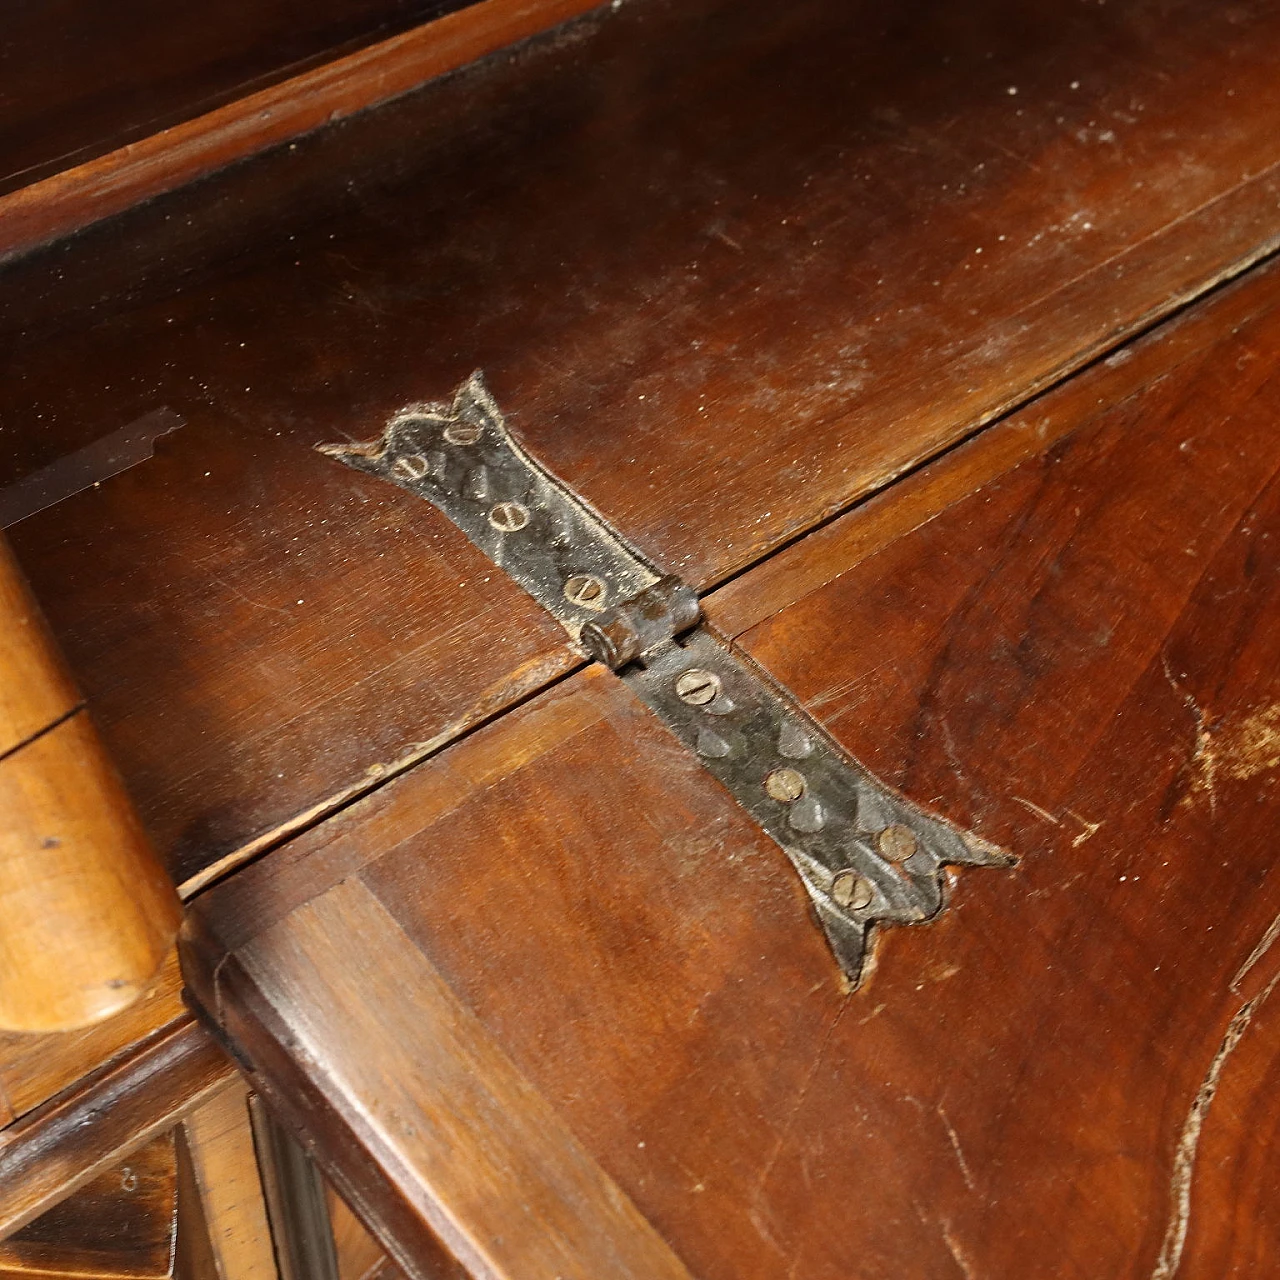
[865,854]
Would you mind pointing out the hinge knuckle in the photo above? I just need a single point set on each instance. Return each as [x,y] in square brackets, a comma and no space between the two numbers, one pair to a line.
[652,617]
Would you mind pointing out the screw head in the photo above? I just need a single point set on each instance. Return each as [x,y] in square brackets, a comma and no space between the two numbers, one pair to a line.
[587,590]
[697,687]
[897,842]
[463,432]
[413,466]
[507,517]
[850,890]
[784,785]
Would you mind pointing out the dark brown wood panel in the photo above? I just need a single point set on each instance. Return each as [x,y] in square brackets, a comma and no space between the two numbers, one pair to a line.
[83,78]
[1066,638]
[121,1225]
[57,1147]
[92,190]
[728,266]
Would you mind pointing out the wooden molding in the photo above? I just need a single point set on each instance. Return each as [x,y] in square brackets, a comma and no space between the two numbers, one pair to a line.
[58,1147]
[72,200]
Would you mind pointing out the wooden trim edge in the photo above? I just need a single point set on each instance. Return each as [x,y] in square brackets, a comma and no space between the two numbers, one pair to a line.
[67,202]
[49,1152]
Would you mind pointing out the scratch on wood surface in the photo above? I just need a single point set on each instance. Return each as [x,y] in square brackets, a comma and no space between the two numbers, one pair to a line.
[1257,953]
[795,1109]
[1204,763]
[958,1255]
[1184,1160]
[1089,829]
[955,1146]
[1038,811]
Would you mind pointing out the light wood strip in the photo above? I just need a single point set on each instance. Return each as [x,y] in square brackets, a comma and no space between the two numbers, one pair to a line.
[71,200]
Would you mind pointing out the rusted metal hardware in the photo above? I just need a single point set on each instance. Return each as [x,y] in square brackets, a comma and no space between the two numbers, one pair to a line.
[865,854]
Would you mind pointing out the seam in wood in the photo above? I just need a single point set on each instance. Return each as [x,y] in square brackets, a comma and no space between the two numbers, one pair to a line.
[1184,1160]
[40,733]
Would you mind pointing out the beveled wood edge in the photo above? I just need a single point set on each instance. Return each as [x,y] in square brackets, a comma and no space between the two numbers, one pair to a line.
[1028,430]
[403,1212]
[55,1148]
[67,202]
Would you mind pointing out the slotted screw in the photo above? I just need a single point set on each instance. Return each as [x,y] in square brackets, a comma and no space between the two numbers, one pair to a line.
[897,842]
[697,687]
[587,590]
[413,466]
[463,432]
[785,785]
[507,517]
[849,889]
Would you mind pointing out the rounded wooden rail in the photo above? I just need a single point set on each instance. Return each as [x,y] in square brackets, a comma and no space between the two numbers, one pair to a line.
[87,913]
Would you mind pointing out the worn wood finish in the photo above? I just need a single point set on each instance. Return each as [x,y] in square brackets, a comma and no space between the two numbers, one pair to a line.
[40,211]
[87,912]
[35,689]
[721,264]
[359,1254]
[1063,635]
[81,80]
[118,1226]
[516,1197]
[35,1067]
[193,1254]
[225,1173]
[49,1152]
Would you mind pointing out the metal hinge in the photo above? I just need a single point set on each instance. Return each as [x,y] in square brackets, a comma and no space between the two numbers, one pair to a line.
[866,855]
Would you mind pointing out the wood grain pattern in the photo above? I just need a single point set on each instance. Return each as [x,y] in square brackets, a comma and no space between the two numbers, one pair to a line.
[359,1254]
[35,689]
[49,1152]
[1067,640]
[166,158]
[120,1225]
[82,82]
[35,1067]
[225,1169]
[483,1164]
[724,302]
[88,912]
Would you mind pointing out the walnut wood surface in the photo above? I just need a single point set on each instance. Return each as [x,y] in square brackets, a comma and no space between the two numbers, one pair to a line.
[82,79]
[35,1067]
[521,1198]
[120,1225]
[76,197]
[224,1168]
[1065,636]
[55,1148]
[721,264]
[35,689]
[87,914]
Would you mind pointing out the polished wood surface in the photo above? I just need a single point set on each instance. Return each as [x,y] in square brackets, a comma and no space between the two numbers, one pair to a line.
[87,914]
[35,1067]
[728,267]
[520,1198]
[81,79]
[54,1149]
[120,1225]
[35,689]
[225,1173]
[1063,635]
[38,212]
